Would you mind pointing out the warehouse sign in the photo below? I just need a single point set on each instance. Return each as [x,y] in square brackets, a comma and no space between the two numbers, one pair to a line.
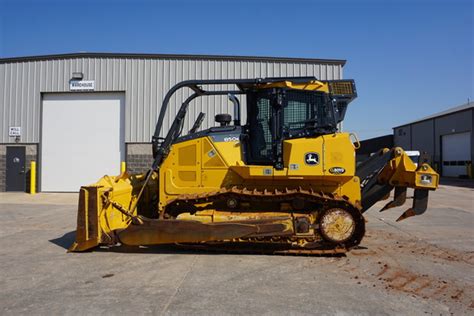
[14,131]
[82,85]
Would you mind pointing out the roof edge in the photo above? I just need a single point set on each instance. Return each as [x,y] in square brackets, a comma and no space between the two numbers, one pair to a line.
[340,62]
[434,117]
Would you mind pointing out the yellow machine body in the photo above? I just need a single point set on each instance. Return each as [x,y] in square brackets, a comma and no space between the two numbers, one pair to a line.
[205,193]
[201,165]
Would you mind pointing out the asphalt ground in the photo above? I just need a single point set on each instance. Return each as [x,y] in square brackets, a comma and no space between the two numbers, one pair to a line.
[423,265]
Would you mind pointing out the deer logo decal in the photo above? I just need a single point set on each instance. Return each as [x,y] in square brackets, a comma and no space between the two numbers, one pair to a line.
[311,159]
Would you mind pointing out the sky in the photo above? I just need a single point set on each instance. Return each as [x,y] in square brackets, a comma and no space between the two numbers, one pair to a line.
[409,58]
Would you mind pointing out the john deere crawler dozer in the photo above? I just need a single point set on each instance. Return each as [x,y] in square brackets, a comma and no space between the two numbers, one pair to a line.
[286,181]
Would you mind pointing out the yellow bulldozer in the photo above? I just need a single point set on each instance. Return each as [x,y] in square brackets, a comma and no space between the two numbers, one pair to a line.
[286,181]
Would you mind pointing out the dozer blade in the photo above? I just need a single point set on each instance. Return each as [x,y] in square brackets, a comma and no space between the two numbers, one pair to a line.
[98,219]
[420,203]
[106,216]
[88,230]
[398,200]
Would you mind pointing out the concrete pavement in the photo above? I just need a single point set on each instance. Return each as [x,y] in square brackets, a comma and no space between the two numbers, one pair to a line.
[421,265]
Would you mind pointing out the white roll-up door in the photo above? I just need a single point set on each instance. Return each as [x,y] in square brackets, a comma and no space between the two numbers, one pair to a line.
[82,139]
[456,152]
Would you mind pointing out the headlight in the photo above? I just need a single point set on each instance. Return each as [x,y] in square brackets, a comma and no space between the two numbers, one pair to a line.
[426,179]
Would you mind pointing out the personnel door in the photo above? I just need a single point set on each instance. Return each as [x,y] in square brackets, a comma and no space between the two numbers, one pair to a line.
[16,179]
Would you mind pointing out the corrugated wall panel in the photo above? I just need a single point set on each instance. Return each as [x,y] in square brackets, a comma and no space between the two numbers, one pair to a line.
[145,82]
[33,105]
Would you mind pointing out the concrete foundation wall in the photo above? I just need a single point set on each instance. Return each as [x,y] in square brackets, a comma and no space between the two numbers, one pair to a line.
[139,157]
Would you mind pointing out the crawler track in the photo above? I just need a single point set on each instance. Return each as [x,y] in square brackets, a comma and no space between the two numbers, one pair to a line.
[298,244]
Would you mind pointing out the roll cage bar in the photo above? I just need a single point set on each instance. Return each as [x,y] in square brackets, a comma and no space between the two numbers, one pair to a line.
[161,146]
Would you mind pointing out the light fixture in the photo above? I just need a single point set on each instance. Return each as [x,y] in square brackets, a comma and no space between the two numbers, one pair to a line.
[77,75]
[426,179]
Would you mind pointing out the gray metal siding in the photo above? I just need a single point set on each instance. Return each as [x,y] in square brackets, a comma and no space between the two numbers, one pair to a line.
[426,135]
[422,137]
[144,81]
[402,137]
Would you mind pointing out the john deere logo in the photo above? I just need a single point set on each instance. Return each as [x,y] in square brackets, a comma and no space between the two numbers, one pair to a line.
[311,159]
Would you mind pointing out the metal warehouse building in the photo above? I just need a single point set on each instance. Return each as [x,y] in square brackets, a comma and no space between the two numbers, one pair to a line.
[446,136]
[80,115]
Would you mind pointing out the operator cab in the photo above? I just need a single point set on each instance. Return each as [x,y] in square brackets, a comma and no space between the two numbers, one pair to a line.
[285,112]
[277,109]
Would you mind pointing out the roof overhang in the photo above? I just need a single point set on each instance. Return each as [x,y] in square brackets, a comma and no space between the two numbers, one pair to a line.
[461,108]
[340,62]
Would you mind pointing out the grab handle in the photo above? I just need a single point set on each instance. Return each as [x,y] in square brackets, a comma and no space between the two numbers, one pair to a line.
[356,142]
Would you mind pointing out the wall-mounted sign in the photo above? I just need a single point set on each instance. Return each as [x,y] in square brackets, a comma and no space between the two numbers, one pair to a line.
[14,131]
[82,85]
